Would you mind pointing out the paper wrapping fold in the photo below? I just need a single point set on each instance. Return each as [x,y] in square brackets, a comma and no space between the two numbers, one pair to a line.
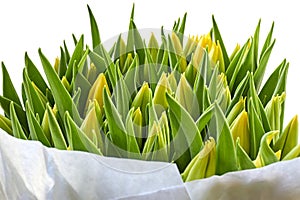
[29,170]
[278,181]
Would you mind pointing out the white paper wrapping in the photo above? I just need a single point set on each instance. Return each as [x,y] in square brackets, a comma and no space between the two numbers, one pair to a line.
[28,170]
[279,181]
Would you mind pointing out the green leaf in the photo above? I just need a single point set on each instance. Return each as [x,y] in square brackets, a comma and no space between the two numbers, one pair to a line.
[116,127]
[133,147]
[76,57]
[82,61]
[288,139]
[67,54]
[266,153]
[258,105]
[36,131]
[16,126]
[106,56]
[84,85]
[74,39]
[186,136]
[267,42]
[122,98]
[235,63]
[226,154]
[120,52]
[130,36]
[218,37]
[56,133]
[173,60]
[34,74]
[243,159]
[236,110]
[94,29]
[20,113]
[138,43]
[24,98]
[259,73]
[62,64]
[98,61]
[255,45]
[182,28]
[149,73]
[5,124]
[77,139]
[248,64]
[236,69]
[8,88]
[294,153]
[36,104]
[276,80]
[199,85]
[256,129]
[240,90]
[205,117]
[61,96]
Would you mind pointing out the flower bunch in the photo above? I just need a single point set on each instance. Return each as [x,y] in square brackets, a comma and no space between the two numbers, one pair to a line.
[175,99]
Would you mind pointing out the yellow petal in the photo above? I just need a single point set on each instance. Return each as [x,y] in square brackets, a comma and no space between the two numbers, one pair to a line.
[96,92]
[240,129]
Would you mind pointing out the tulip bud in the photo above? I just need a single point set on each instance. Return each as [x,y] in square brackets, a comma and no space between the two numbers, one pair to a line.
[5,124]
[273,111]
[92,73]
[198,56]
[159,98]
[127,63]
[66,83]
[153,47]
[240,129]
[56,65]
[172,81]
[236,49]
[176,44]
[96,92]
[186,97]
[137,119]
[190,45]
[236,110]
[91,126]
[203,164]
[142,98]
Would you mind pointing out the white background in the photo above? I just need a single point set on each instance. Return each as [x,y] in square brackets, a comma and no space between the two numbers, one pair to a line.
[28,25]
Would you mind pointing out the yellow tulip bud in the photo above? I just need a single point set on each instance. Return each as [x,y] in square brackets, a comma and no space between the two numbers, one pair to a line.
[236,49]
[56,65]
[142,98]
[240,129]
[91,126]
[137,119]
[161,89]
[236,110]
[66,83]
[96,92]
[203,164]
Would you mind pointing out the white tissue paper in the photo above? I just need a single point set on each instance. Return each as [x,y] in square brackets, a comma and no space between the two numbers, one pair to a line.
[28,170]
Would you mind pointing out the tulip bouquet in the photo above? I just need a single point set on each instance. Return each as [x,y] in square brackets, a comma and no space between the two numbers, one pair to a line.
[173,99]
